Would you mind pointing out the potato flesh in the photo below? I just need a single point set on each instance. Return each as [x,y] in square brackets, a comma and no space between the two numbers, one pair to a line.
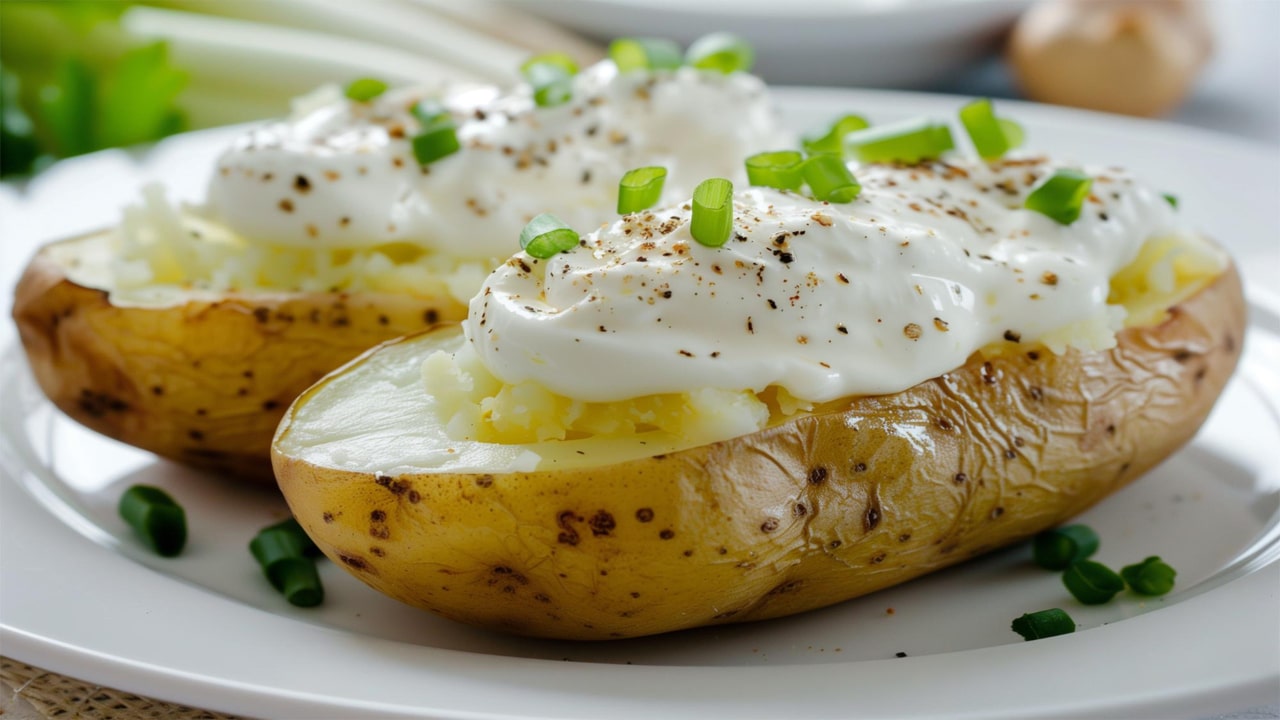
[205,378]
[857,496]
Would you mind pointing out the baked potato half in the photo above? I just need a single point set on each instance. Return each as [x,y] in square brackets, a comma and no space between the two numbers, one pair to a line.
[199,377]
[612,539]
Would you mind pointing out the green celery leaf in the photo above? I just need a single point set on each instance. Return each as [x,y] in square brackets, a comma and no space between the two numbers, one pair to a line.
[67,108]
[138,98]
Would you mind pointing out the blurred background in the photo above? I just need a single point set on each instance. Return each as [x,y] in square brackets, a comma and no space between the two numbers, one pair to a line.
[80,75]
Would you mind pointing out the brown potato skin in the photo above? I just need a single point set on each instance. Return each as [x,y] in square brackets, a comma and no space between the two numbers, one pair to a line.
[204,383]
[864,494]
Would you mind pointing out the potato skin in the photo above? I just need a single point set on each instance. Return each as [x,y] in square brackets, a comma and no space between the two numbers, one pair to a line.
[206,382]
[864,494]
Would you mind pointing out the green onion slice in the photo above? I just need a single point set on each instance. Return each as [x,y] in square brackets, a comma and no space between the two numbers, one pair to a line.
[282,551]
[909,142]
[429,111]
[552,85]
[782,169]
[631,54]
[1043,624]
[712,212]
[1061,196]
[1092,583]
[985,129]
[640,189]
[833,140]
[365,89]
[1056,549]
[1171,199]
[721,52]
[546,235]
[300,536]
[437,140]
[555,59]
[551,75]
[156,517]
[1149,577]
[829,179]
[1013,132]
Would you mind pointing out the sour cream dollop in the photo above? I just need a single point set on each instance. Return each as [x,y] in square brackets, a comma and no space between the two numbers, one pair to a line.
[926,266]
[342,174]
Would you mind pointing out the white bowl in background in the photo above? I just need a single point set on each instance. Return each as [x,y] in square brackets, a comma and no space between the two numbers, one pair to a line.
[867,43]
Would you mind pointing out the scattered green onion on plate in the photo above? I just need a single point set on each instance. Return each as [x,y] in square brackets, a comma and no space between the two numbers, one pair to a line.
[640,189]
[829,179]
[1149,577]
[909,141]
[1043,624]
[782,170]
[156,517]
[721,52]
[282,550]
[712,212]
[631,54]
[1056,549]
[1171,199]
[1061,197]
[1092,583]
[365,89]
[546,235]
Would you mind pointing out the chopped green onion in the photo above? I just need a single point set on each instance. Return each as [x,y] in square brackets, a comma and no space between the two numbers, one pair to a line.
[1056,549]
[556,59]
[552,83]
[721,52]
[631,54]
[429,111]
[546,235]
[1013,132]
[909,142]
[1092,583]
[437,140]
[157,519]
[365,89]
[833,140]
[781,170]
[1171,199]
[551,75]
[292,527]
[1043,624]
[985,129]
[282,551]
[829,179]
[712,212]
[1061,196]
[1149,577]
[640,189]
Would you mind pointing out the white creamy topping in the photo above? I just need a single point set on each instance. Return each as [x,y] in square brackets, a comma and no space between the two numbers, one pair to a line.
[926,266]
[343,174]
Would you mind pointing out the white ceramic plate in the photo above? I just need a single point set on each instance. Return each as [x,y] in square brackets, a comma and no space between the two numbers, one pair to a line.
[80,596]
[866,43]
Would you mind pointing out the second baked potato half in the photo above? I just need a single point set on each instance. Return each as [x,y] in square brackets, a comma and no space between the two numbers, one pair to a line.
[198,377]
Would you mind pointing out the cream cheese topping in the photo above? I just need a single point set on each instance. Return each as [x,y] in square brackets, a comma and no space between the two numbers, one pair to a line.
[929,264]
[342,174]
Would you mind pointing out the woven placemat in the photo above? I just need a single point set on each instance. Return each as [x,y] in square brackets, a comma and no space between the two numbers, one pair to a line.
[31,692]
